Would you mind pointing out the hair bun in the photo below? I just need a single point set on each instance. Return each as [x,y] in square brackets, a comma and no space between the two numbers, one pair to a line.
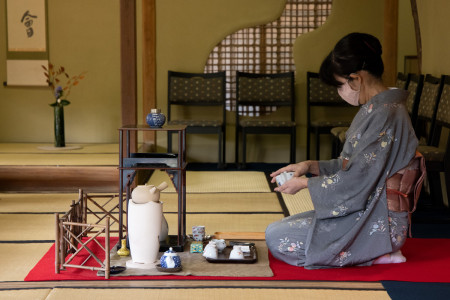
[375,48]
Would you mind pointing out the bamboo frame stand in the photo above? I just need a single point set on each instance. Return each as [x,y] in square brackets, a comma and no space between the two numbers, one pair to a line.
[74,233]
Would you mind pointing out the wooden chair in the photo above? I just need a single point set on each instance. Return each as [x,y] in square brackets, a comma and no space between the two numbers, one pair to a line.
[402,80]
[197,90]
[414,86]
[427,108]
[319,95]
[437,150]
[265,90]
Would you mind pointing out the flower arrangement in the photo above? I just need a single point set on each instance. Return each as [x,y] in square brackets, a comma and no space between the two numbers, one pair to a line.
[53,74]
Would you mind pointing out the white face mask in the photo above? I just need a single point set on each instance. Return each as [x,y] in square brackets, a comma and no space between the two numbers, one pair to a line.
[348,94]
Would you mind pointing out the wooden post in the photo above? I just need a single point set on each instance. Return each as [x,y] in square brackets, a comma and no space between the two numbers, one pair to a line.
[107,249]
[57,245]
[148,67]
[417,34]
[128,66]
[390,51]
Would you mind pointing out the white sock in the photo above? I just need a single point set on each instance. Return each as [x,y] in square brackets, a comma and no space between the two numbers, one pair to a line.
[390,258]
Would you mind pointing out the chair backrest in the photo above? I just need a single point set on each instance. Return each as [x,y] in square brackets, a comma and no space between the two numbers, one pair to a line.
[265,90]
[321,94]
[443,111]
[429,98]
[414,87]
[206,89]
[402,80]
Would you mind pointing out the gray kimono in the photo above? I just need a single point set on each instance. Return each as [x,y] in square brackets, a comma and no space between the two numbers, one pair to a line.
[350,224]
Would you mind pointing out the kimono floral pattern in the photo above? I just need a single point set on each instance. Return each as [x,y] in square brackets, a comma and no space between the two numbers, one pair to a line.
[385,138]
[339,211]
[287,246]
[378,227]
[375,195]
[370,158]
[300,223]
[329,181]
[354,139]
[343,257]
[397,231]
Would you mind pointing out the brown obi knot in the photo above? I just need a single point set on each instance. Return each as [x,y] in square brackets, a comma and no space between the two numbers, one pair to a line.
[403,188]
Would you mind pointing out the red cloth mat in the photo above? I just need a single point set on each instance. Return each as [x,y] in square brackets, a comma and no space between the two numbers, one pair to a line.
[428,260]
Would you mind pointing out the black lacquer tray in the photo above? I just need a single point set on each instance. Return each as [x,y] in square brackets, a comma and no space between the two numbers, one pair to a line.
[224,256]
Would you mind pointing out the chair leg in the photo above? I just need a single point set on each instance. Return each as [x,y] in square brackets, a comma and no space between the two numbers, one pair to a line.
[447,183]
[221,161]
[308,143]
[236,145]
[317,137]
[224,148]
[293,150]
[335,147]
[244,148]
[434,179]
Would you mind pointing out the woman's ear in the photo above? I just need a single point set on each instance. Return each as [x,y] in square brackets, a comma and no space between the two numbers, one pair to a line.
[356,81]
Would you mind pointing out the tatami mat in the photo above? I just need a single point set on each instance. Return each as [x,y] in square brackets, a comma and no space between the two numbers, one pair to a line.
[224,202]
[33,294]
[219,202]
[36,148]
[12,202]
[61,159]
[35,227]
[299,202]
[16,227]
[16,260]
[29,227]
[224,222]
[29,154]
[195,294]
[50,203]
[217,182]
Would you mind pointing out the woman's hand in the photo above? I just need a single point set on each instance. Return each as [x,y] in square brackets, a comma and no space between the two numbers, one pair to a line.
[298,169]
[293,185]
[296,183]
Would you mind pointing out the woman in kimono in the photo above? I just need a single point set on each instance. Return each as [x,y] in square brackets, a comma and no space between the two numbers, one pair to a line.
[351,223]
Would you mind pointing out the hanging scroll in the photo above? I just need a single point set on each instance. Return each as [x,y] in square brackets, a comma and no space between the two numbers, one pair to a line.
[27,46]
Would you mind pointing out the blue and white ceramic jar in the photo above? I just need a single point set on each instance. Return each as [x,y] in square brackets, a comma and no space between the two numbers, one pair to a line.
[156,118]
[170,259]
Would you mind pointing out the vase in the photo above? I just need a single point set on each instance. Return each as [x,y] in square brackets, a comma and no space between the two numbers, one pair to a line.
[124,250]
[144,228]
[59,126]
[155,118]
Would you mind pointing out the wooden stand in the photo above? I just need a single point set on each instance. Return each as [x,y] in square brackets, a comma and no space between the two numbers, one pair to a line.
[173,163]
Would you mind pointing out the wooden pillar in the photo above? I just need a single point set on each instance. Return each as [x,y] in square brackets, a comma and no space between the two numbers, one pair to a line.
[128,66]
[148,66]
[417,33]
[390,41]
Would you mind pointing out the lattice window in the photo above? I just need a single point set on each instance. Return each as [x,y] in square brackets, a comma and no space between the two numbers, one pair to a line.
[266,48]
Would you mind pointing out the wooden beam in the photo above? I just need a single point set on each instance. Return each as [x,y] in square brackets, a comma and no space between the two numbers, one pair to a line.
[390,41]
[128,66]
[148,65]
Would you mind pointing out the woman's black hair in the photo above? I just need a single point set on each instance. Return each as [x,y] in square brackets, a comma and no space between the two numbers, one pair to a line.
[354,52]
